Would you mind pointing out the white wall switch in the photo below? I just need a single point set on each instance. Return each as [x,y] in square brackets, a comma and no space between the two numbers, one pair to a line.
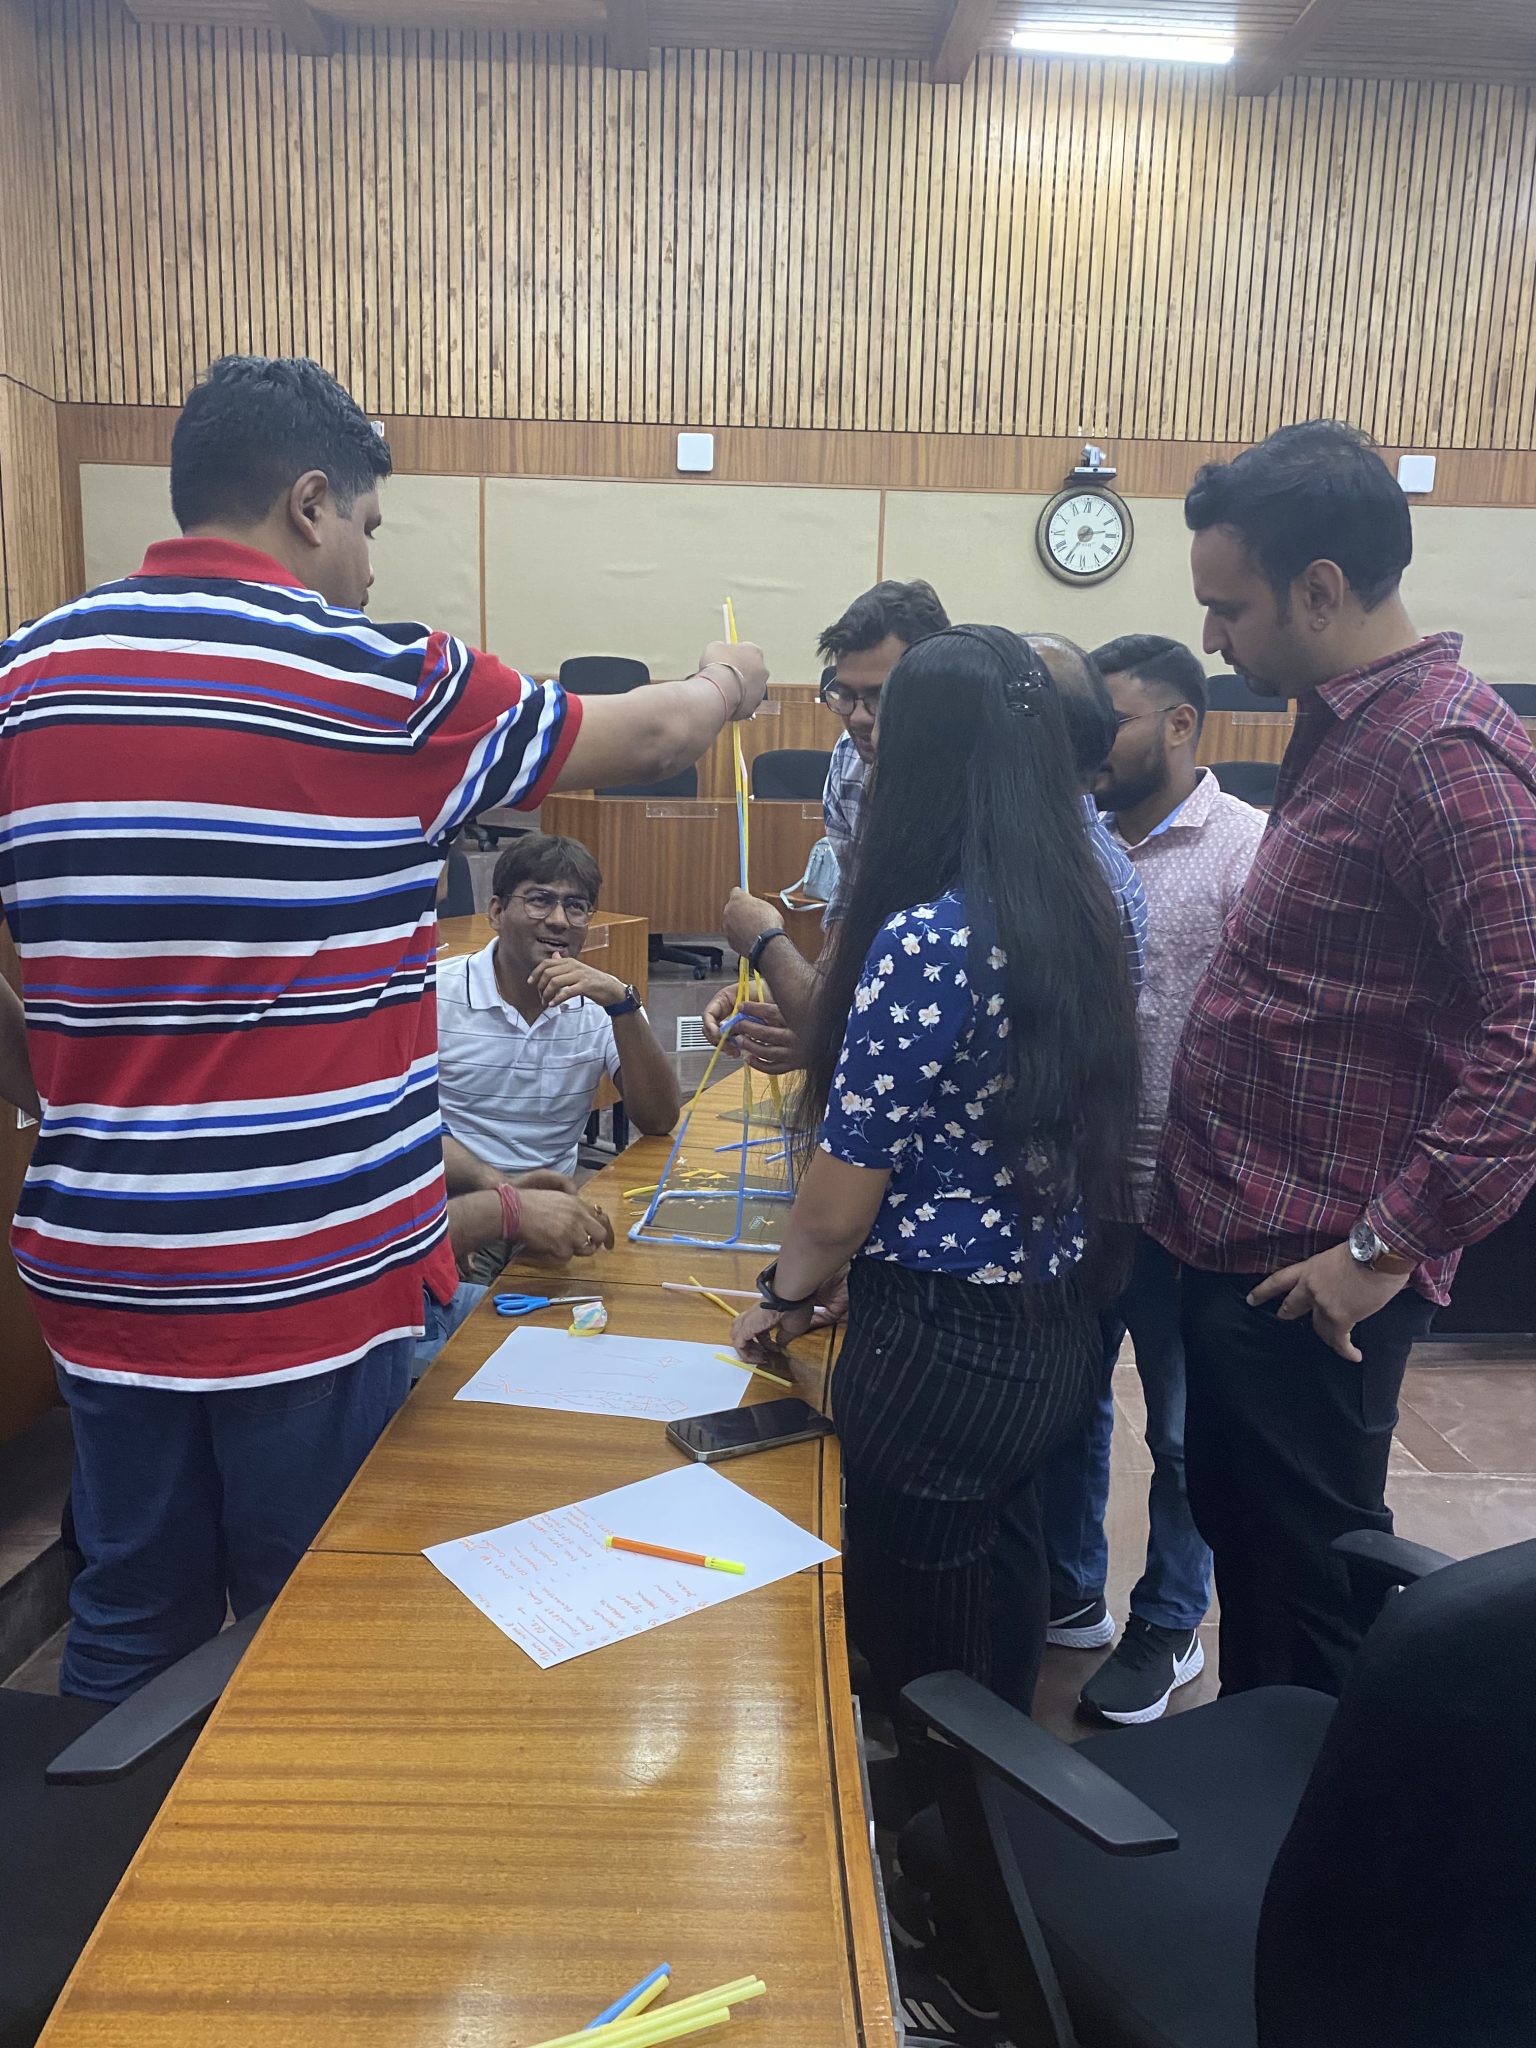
[696,453]
[1416,473]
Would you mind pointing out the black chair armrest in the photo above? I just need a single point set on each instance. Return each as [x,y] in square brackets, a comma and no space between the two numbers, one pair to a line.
[1378,1562]
[157,1713]
[1052,1773]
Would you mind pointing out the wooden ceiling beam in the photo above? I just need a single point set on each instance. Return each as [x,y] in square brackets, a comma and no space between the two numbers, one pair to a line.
[629,35]
[958,43]
[301,28]
[1260,70]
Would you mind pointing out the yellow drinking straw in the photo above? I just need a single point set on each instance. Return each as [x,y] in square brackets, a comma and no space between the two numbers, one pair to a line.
[665,2022]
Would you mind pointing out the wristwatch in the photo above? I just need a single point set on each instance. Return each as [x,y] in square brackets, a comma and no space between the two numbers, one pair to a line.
[762,942]
[1367,1249]
[771,1298]
[627,1002]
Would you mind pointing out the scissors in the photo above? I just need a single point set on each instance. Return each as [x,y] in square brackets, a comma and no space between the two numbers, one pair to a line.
[525,1304]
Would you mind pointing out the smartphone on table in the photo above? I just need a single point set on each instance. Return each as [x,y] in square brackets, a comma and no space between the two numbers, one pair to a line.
[736,1432]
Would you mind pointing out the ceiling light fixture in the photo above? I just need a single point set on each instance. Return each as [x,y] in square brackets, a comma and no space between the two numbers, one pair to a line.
[1113,42]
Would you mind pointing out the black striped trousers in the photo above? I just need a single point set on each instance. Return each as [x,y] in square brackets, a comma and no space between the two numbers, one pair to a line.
[947,1395]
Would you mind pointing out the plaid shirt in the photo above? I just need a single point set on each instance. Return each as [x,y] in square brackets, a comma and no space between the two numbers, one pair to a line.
[1364,1040]
[842,804]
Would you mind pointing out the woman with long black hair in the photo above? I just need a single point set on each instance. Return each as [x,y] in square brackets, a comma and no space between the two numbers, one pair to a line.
[969,1089]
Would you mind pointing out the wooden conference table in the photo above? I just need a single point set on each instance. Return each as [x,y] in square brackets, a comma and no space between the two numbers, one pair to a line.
[397,1831]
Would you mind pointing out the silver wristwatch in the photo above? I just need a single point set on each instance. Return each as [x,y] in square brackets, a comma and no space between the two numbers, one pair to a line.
[1367,1249]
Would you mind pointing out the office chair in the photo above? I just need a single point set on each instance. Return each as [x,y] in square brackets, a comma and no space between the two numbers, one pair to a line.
[1276,1869]
[79,1785]
[460,899]
[1520,697]
[701,960]
[1253,781]
[602,675]
[799,773]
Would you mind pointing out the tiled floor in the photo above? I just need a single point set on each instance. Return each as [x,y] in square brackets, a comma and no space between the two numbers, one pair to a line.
[1462,1479]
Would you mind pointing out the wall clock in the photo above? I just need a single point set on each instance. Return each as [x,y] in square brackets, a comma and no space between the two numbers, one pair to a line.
[1084,533]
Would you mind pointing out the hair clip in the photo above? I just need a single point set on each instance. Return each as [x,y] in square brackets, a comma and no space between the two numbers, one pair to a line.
[1024,694]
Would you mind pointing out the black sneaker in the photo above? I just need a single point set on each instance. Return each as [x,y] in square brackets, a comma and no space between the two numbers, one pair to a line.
[1135,1681]
[909,1914]
[935,2011]
[1088,1626]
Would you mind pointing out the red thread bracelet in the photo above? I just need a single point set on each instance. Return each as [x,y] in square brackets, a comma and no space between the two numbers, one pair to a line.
[511,1213]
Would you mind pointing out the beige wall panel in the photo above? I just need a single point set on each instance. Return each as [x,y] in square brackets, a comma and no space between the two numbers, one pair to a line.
[426,557]
[1472,570]
[617,568]
[123,508]
[978,551]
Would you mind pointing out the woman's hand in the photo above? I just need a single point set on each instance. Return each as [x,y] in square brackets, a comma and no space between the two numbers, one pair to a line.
[752,1333]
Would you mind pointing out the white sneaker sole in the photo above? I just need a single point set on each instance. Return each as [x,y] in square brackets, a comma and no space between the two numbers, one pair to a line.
[1184,1670]
[1093,1637]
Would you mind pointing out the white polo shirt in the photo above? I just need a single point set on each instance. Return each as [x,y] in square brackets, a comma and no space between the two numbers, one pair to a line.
[517,1094]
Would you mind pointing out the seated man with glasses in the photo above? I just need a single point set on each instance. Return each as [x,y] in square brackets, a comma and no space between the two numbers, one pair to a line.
[863,646]
[527,1028]
[526,1031]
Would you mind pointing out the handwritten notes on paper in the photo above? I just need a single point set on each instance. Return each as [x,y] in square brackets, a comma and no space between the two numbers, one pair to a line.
[654,1378]
[549,1584]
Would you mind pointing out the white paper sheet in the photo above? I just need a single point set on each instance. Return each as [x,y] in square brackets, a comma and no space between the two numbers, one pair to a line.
[649,1377]
[550,1585]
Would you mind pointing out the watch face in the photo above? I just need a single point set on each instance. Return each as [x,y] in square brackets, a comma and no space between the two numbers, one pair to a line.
[1084,535]
[1364,1244]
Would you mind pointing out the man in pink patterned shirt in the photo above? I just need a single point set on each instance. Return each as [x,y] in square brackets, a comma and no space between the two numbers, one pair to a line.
[1192,846]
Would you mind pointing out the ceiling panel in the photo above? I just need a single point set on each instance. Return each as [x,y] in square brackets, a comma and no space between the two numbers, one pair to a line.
[1492,39]
[545,17]
[1384,38]
[865,28]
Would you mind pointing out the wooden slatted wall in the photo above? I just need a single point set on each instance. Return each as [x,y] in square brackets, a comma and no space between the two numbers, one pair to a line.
[31,521]
[498,227]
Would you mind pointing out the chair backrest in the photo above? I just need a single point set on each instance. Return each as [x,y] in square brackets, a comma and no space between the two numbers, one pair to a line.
[460,898]
[1253,781]
[684,783]
[1402,1905]
[1231,693]
[1520,697]
[63,1849]
[602,675]
[796,772]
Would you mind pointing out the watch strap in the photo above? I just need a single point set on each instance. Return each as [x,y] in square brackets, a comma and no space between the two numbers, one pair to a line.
[770,1297]
[627,1003]
[762,942]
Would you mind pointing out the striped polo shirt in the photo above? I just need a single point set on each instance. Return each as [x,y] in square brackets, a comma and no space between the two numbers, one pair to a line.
[221,807]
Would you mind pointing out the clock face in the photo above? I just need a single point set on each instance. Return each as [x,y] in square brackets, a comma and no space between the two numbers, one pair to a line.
[1084,535]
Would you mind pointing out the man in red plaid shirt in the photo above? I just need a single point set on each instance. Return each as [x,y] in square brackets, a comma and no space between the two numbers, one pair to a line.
[1354,1097]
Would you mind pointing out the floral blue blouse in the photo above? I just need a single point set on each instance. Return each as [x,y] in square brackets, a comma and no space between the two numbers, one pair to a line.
[922,1057]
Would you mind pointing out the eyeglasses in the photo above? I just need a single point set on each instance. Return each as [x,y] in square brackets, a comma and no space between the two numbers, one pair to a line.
[1134,717]
[839,698]
[540,903]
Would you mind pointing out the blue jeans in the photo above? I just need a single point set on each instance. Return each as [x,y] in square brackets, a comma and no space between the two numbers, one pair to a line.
[442,1319]
[188,1503]
[1175,1589]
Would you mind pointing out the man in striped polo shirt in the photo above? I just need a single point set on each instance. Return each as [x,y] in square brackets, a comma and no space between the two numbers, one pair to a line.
[223,797]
